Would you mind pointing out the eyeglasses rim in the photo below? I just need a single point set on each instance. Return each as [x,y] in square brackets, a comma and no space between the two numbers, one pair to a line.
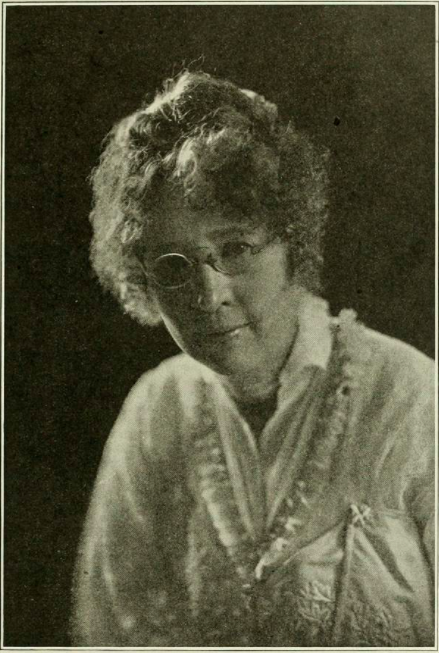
[257,249]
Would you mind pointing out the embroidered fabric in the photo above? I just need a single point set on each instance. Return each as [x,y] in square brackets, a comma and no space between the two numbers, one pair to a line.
[310,617]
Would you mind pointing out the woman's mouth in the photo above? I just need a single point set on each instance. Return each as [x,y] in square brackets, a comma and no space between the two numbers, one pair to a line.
[230,332]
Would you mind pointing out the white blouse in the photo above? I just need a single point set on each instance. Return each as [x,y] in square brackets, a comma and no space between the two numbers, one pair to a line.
[319,534]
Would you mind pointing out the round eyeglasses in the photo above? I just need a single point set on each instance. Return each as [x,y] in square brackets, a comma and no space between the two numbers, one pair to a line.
[175,270]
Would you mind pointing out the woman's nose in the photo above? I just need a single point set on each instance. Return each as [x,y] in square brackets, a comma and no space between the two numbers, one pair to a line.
[212,288]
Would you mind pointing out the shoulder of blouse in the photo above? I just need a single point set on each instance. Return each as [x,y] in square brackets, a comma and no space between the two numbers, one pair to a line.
[399,367]
[160,408]
[384,373]
[176,382]
[393,405]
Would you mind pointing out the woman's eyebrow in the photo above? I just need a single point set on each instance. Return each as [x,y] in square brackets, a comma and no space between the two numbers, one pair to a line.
[169,246]
[233,230]
[217,233]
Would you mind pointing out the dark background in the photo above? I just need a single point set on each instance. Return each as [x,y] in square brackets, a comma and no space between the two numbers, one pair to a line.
[360,79]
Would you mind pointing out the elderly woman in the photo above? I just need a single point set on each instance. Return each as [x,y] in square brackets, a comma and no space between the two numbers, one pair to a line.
[273,484]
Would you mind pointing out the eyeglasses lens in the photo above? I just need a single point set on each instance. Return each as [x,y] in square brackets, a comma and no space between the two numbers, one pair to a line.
[172,270]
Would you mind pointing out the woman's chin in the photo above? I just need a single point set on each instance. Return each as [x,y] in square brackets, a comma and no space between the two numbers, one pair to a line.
[225,363]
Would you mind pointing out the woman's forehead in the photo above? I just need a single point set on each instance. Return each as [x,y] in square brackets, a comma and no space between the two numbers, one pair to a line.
[178,226]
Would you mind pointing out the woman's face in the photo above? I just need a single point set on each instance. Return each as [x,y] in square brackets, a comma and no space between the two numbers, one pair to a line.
[242,325]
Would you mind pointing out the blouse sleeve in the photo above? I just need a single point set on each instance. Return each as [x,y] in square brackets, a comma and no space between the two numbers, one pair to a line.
[129,589]
[420,490]
[398,434]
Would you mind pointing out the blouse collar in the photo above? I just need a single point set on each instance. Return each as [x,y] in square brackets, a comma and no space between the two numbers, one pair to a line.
[313,343]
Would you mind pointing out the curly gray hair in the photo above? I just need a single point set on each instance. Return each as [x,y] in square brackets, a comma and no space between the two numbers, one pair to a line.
[221,146]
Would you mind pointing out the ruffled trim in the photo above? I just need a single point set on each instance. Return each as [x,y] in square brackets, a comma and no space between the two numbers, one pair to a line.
[217,492]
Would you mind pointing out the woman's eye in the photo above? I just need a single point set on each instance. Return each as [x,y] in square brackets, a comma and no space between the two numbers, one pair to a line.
[235,249]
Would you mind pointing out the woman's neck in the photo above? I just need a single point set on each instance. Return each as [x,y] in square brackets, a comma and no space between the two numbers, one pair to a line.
[252,387]
[258,413]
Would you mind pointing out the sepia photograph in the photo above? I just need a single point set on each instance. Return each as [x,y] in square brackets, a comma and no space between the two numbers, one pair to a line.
[219,379]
